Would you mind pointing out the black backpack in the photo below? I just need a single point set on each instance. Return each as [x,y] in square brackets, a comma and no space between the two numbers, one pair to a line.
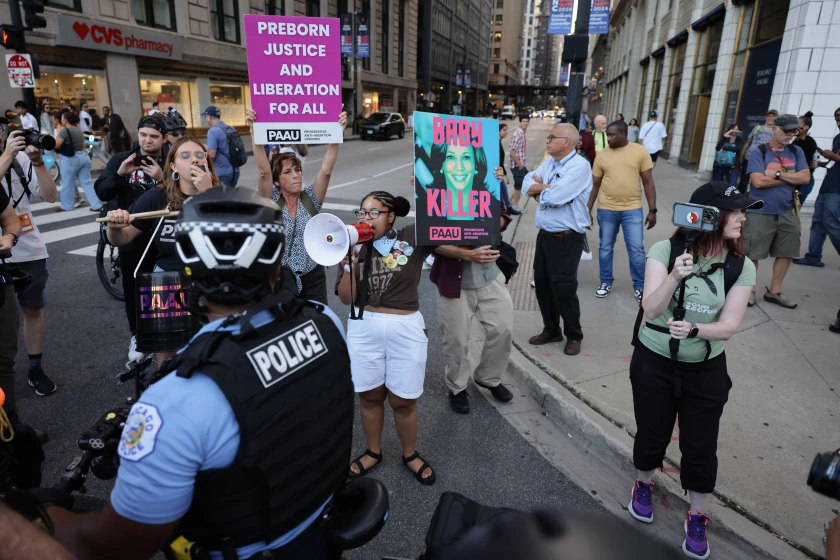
[236,149]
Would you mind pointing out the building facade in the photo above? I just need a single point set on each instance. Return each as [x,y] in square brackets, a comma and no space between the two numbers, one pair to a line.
[129,54]
[703,64]
[506,48]
[530,40]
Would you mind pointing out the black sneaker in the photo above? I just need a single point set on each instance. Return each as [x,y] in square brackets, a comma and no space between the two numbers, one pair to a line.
[459,403]
[499,392]
[43,385]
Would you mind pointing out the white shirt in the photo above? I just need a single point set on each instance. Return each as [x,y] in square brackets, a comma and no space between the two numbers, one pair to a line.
[153,111]
[651,136]
[28,121]
[29,247]
[85,121]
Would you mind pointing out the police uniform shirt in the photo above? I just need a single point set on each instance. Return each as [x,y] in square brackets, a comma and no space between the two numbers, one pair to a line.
[179,427]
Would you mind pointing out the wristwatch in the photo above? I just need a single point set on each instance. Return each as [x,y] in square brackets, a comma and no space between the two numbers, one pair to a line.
[652,210]
[778,174]
[694,330]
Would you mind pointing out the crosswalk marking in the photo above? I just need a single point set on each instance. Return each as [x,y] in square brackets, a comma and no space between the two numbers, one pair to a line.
[68,232]
[56,217]
[89,251]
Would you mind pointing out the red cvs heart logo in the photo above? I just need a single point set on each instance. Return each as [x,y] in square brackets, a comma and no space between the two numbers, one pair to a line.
[81,29]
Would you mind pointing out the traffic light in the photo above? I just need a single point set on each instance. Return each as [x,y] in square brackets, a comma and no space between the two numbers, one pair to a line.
[12,38]
[31,9]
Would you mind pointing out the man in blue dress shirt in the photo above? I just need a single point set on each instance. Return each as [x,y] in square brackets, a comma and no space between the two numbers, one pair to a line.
[561,185]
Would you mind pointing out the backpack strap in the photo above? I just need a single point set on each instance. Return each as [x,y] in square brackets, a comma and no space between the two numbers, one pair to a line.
[677,249]
[307,202]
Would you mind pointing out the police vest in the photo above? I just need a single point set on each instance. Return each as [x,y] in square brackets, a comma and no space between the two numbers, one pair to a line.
[289,385]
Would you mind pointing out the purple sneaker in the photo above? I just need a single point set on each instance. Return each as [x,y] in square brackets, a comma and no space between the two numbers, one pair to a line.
[641,506]
[695,544]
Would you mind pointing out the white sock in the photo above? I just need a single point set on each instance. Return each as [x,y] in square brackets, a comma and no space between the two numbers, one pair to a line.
[699,502]
[645,476]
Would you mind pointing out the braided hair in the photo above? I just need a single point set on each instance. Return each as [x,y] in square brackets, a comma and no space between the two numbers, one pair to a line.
[396,204]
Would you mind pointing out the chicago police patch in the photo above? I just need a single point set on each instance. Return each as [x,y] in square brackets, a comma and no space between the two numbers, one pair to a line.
[140,432]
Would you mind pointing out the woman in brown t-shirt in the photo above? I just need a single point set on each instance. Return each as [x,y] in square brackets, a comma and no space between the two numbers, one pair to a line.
[388,347]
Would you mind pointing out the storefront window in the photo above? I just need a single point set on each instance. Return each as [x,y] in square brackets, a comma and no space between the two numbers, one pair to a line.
[671,103]
[231,99]
[155,13]
[168,92]
[641,111]
[659,66]
[371,103]
[772,15]
[63,86]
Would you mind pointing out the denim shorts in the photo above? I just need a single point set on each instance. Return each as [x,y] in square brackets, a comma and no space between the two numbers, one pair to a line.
[35,294]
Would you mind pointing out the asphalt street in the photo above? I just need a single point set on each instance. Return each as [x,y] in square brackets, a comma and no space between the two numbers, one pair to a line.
[479,455]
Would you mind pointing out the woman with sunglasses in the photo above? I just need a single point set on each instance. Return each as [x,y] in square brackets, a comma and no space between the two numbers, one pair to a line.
[388,345]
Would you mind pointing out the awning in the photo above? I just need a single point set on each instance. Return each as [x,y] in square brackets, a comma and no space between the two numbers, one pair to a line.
[709,18]
[658,52]
[678,39]
[645,61]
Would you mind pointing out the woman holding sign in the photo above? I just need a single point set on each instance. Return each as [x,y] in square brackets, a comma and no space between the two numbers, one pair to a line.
[281,180]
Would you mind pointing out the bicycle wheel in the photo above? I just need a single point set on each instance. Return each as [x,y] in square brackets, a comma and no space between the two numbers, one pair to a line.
[108,268]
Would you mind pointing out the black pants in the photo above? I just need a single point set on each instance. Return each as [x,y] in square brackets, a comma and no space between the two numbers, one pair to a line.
[315,285]
[705,391]
[128,262]
[555,276]
[8,347]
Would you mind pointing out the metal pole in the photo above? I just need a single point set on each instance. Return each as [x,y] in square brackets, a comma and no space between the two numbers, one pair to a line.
[355,76]
[17,21]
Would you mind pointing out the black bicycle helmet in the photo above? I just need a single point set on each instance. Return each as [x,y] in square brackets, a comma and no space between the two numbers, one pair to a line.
[231,243]
[174,121]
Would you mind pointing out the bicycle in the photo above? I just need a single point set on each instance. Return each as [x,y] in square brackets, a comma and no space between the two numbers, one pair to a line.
[108,267]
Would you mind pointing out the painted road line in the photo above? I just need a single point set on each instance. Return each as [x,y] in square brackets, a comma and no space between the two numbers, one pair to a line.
[55,217]
[89,251]
[342,185]
[69,232]
[43,205]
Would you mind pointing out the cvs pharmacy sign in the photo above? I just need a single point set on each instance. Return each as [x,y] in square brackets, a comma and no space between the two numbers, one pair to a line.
[72,31]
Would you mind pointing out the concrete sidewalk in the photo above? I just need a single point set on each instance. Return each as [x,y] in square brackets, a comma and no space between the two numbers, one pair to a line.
[783,407]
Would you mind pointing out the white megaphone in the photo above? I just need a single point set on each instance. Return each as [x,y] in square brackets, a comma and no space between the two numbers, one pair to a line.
[327,239]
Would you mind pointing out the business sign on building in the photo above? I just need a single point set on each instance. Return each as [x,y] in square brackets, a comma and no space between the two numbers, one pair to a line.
[560,17]
[362,35]
[599,17]
[72,31]
[294,70]
[19,67]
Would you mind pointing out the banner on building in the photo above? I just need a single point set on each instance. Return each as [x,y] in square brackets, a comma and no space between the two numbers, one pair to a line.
[564,74]
[467,78]
[294,70]
[758,86]
[599,17]
[459,75]
[362,35]
[456,192]
[560,17]
[347,34]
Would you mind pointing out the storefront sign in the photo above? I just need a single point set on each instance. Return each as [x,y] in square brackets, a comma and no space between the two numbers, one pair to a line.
[347,34]
[362,35]
[20,71]
[294,69]
[758,86]
[459,75]
[560,18]
[599,17]
[467,78]
[72,31]
[456,192]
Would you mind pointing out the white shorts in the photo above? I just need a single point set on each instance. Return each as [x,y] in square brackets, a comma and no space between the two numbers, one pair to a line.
[388,350]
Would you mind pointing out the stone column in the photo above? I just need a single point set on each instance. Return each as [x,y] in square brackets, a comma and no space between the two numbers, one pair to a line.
[124,83]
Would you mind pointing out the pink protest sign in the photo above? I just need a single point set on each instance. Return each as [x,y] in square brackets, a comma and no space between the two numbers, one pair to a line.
[294,69]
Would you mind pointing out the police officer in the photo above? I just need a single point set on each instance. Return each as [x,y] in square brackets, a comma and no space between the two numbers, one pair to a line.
[175,126]
[242,444]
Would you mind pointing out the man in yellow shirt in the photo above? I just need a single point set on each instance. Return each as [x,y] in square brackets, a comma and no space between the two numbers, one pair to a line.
[615,184]
[601,140]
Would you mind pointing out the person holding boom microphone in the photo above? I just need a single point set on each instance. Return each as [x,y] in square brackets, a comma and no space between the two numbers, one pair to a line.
[691,382]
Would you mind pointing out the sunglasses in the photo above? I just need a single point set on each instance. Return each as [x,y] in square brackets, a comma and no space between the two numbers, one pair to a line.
[177,134]
[188,155]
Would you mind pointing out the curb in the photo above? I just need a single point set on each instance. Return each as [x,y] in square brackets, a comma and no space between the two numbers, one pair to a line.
[612,444]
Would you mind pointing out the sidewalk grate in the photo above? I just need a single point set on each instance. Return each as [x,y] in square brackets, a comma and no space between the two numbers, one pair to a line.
[524,298]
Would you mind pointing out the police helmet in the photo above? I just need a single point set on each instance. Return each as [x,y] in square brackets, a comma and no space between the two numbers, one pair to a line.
[174,121]
[231,243]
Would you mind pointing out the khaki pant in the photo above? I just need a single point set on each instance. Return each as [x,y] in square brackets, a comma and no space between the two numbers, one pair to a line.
[493,308]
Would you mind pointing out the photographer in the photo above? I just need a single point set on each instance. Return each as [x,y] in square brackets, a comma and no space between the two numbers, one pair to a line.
[22,175]
[9,233]
[126,177]
[689,378]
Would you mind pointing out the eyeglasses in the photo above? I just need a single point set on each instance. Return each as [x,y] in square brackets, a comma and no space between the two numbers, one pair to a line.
[551,138]
[188,155]
[375,213]
[177,133]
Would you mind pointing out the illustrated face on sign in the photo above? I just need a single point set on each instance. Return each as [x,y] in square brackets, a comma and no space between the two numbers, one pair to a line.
[459,167]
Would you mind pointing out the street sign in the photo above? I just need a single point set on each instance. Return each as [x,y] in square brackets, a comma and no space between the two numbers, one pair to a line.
[20,71]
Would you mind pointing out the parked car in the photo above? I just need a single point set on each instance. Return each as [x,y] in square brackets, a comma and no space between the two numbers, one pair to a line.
[382,125]
[508,112]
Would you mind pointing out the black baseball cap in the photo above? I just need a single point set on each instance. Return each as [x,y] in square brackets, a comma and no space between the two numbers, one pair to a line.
[654,113]
[723,196]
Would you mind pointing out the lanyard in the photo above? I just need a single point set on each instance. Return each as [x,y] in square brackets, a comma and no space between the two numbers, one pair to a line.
[775,153]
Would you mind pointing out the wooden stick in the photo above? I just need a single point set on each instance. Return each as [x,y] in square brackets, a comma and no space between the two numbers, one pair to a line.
[145,215]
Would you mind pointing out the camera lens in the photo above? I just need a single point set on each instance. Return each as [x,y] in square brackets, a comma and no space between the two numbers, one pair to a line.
[41,141]
[825,475]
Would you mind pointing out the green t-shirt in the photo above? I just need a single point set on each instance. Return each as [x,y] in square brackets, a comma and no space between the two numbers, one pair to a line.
[703,304]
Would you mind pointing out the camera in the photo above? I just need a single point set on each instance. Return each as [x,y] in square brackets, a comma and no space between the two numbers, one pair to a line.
[40,141]
[824,477]
[695,216]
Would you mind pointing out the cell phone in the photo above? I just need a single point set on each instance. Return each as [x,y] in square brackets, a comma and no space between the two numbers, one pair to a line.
[737,133]
[141,159]
[202,167]
[695,216]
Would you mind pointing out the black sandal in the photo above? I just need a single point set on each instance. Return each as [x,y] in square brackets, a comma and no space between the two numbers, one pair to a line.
[362,470]
[419,474]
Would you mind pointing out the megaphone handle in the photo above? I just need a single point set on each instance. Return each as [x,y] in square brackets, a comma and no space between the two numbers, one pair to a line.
[363,289]
[352,291]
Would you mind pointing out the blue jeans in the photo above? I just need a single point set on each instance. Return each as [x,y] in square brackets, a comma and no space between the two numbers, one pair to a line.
[505,197]
[805,191]
[632,223]
[825,223]
[728,174]
[231,178]
[76,166]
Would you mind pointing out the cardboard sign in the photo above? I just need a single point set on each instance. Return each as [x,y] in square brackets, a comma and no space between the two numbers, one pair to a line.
[456,192]
[294,69]
[20,71]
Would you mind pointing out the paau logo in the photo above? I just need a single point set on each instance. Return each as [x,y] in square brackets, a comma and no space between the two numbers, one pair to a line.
[450,233]
[284,135]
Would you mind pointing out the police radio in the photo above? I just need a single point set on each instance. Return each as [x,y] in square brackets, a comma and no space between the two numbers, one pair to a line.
[327,239]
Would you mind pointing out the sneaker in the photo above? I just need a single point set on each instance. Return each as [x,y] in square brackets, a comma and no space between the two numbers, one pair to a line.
[778,299]
[427,264]
[751,301]
[695,544]
[518,209]
[638,294]
[513,211]
[586,256]
[809,261]
[459,403]
[43,385]
[603,290]
[533,283]
[133,354]
[835,327]
[641,502]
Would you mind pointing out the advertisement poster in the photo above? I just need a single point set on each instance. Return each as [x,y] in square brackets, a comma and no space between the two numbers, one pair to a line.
[560,17]
[599,17]
[758,86]
[467,78]
[294,70]
[347,34]
[362,35]
[459,75]
[456,193]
